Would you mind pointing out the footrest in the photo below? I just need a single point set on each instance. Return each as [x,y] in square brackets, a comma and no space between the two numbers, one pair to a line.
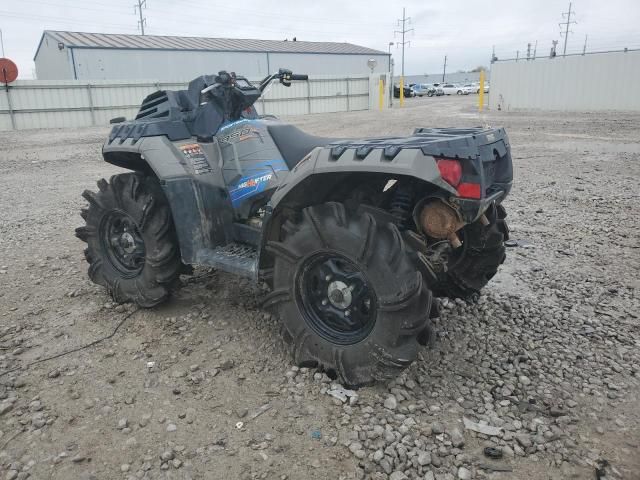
[236,258]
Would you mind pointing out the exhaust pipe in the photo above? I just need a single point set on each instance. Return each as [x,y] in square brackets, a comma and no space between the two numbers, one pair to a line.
[441,221]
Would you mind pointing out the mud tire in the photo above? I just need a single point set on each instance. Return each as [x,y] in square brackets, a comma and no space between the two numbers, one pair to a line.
[141,198]
[378,250]
[483,252]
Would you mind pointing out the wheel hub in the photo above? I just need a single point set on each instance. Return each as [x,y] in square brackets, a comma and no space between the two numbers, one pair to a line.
[339,294]
[122,243]
[127,242]
[336,298]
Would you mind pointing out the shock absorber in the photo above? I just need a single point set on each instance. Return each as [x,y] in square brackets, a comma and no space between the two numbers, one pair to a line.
[401,204]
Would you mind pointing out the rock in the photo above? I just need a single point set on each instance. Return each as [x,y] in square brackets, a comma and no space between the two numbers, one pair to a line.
[171,427]
[480,428]
[167,455]
[429,476]
[176,463]
[424,458]
[391,403]
[123,423]
[226,365]
[78,458]
[524,439]
[398,475]
[457,438]
[124,468]
[464,473]
[437,428]
[524,380]
[11,475]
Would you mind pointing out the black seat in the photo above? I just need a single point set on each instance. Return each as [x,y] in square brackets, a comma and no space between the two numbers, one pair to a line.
[293,143]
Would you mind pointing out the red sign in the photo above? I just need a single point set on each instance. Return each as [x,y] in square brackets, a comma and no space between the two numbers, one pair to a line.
[8,71]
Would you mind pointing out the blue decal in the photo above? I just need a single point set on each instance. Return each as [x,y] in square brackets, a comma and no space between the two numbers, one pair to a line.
[249,186]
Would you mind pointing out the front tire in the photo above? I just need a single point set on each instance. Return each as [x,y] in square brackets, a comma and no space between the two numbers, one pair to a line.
[132,248]
[470,267]
[377,283]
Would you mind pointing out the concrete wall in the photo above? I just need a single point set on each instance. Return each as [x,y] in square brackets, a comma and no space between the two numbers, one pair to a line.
[53,63]
[597,81]
[77,103]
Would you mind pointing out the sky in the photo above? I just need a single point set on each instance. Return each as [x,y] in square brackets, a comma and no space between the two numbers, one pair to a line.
[464,30]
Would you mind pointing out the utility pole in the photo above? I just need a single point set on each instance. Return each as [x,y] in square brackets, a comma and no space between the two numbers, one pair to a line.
[143,21]
[584,49]
[566,29]
[528,50]
[403,21]
[535,48]
[1,43]
[444,68]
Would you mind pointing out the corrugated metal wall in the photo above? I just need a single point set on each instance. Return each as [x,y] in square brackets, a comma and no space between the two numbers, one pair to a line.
[597,81]
[69,103]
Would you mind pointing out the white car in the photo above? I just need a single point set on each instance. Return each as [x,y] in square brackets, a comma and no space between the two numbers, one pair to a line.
[486,88]
[454,89]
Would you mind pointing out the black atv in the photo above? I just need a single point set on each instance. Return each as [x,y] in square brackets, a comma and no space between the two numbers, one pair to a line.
[353,237]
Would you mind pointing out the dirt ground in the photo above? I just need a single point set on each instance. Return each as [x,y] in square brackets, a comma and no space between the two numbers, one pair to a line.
[202,388]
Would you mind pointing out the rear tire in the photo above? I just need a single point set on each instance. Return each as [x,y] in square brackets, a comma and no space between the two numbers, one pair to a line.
[132,248]
[482,252]
[399,300]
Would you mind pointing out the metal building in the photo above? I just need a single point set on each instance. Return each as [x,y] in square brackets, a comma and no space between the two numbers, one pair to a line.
[587,82]
[98,56]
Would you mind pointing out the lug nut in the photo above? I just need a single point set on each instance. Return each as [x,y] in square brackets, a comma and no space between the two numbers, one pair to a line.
[325,301]
[347,313]
[327,278]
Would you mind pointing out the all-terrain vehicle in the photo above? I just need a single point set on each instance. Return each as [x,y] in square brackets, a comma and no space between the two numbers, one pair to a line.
[353,237]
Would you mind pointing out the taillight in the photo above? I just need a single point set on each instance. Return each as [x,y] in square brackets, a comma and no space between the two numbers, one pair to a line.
[450,171]
[469,190]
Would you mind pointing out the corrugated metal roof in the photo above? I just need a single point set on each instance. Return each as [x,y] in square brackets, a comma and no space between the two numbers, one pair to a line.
[157,42]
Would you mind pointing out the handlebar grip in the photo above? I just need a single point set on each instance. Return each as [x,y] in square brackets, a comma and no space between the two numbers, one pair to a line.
[299,77]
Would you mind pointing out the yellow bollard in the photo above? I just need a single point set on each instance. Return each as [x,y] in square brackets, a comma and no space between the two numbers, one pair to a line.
[401,91]
[380,94]
[481,92]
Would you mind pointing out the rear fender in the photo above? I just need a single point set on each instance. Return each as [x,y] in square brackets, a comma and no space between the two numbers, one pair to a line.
[408,163]
[313,178]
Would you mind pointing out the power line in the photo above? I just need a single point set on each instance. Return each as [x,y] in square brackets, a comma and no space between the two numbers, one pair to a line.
[566,31]
[143,20]
[404,21]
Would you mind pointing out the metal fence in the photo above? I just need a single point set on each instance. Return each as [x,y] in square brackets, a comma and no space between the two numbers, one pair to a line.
[591,82]
[71,103]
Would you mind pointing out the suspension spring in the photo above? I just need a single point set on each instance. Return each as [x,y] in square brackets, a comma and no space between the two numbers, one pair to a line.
[401,204]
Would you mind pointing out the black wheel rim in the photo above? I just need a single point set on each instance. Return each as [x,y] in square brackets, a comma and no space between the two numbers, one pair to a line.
[337,299]
[123,244]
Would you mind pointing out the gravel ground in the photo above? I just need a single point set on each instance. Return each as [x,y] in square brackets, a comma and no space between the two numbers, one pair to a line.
[544,367]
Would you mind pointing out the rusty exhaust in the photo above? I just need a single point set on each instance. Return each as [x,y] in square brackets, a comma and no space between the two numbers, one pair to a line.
[441,221]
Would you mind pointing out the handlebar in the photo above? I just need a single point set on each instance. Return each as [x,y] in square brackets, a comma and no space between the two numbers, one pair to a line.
[299,77]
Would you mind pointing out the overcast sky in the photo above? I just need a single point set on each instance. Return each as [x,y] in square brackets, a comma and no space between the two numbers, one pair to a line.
[464,30]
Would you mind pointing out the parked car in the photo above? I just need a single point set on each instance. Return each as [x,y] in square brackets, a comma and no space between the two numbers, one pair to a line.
[471,87]
[427,89]
[486,88]
[408,92]
[454,89]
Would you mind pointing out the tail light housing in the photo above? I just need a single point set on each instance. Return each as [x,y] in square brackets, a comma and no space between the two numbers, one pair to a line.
[451,172]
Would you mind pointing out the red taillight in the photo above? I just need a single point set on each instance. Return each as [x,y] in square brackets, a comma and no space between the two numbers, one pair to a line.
[450,171]
[469,190]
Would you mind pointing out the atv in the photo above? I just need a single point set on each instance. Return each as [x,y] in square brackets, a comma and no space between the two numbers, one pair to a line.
[352,237]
